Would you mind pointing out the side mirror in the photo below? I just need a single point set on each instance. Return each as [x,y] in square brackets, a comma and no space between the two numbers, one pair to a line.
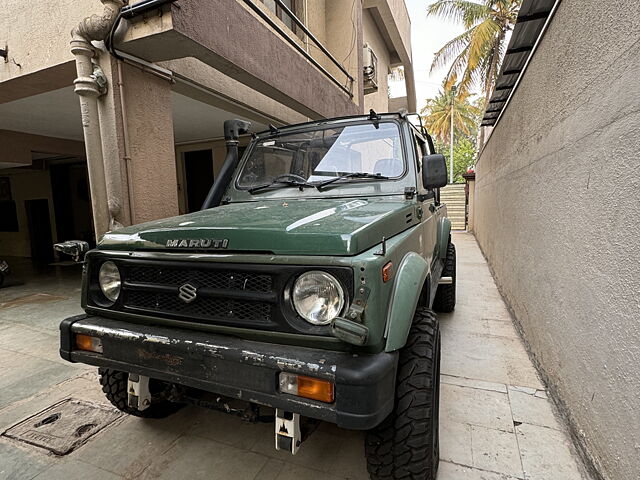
[75,248]
[434,171]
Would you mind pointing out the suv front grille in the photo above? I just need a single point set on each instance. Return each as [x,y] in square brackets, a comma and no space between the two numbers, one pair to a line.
[204,308]
[252,282]
[222,295]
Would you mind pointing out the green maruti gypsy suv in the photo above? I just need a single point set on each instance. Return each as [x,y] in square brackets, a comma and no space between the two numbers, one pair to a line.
[305,284]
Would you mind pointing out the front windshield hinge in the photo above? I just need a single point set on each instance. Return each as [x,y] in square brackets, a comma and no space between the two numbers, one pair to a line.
[374,117]
[409,192]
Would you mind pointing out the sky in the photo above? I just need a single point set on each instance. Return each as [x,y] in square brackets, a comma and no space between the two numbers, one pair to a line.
[427,37]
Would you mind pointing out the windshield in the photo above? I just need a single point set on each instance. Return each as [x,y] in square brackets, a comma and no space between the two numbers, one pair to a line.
[323,154]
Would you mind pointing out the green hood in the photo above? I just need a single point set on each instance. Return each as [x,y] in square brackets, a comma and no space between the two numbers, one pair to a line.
[336,226]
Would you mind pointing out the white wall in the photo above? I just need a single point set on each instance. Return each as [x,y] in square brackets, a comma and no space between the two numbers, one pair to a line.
[558,215]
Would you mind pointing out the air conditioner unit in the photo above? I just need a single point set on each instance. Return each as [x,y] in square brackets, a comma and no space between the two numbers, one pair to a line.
[370,70]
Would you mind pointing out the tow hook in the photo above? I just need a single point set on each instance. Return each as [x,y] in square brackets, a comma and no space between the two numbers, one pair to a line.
[139,396]
[288,436]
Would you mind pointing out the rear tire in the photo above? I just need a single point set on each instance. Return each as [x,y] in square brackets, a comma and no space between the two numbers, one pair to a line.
[1,279]
[405,445]
[115,387]
[445,299]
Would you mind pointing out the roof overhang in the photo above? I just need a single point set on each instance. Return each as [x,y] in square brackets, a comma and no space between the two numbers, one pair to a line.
[530,26]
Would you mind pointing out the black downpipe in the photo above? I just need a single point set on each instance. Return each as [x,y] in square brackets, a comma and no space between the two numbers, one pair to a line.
[232,131]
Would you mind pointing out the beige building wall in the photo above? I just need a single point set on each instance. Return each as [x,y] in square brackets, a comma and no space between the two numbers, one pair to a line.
[557,215]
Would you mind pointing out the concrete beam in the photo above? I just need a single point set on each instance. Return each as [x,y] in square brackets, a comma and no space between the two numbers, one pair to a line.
[17,147]
[227,36]
[46,80]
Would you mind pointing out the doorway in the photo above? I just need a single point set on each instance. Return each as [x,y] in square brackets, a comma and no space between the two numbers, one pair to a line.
[198,175]
[39,230]
[72,201]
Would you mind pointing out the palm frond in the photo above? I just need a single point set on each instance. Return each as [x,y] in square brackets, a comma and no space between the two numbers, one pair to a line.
[465,11]
[450,50]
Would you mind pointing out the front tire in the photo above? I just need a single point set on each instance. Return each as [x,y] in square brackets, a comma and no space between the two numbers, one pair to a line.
[115,387]
[405,445]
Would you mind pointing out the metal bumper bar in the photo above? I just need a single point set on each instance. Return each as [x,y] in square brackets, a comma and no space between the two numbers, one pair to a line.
[238,368]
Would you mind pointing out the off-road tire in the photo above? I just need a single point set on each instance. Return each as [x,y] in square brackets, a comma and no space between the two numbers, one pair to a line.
[405,445]
[114,385]
[445,299]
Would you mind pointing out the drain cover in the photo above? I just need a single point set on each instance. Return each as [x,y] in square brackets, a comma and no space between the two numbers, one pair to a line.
[63,427]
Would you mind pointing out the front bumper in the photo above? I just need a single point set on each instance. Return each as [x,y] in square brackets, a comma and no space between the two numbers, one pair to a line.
[238,368]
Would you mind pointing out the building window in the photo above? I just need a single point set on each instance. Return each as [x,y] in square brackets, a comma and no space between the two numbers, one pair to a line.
[281,14]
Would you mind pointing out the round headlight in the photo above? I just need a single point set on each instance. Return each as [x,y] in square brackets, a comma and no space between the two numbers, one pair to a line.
[318,297]
[109,279]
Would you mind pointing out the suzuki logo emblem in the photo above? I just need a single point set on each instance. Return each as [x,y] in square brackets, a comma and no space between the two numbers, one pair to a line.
[187,293]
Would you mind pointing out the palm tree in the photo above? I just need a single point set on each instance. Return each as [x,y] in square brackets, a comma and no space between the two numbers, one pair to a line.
[476,54]
[438,113]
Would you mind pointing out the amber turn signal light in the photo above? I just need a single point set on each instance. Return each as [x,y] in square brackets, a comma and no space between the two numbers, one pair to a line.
[387,272]
[88,343]
[306,387]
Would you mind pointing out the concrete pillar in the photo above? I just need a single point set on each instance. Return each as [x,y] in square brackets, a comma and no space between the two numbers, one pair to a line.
[344,39]
[139,153]
[471,193]
[153,162]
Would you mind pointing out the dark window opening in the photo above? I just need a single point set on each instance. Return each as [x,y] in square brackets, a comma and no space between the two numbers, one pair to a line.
[283,15]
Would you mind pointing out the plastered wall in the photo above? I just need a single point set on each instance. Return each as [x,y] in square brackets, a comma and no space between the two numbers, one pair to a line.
[557,214]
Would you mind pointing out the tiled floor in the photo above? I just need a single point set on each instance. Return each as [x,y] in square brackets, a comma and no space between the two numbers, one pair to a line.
[496,421]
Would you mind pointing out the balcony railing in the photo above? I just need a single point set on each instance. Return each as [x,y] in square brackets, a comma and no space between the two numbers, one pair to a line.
[347,87]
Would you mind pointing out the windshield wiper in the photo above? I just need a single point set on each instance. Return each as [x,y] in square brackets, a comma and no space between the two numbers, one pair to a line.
[281,184]
[376,176]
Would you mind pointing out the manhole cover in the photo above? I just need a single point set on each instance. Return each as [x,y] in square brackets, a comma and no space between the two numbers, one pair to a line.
[64,426]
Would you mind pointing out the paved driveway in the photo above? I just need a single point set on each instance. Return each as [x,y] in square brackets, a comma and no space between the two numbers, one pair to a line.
[496,420]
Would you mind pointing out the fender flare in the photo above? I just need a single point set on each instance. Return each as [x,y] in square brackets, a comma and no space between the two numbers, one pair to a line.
[412,274]
[444,230]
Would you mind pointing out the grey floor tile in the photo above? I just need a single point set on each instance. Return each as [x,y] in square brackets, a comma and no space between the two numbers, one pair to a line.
[496,451]
[450,471]
[528,408]
[319,452]
[475,407]
[72,470]
[19,463]
[270,470]
[227,429]
[546,454]
[455,442]
[24,375]
[471,383]
[200,458]
[297,472]
[128,447]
